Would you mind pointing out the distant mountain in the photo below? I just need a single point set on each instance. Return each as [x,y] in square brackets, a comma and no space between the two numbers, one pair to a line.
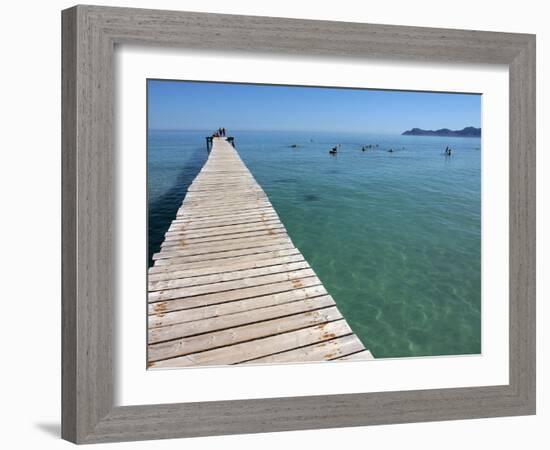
[465,132]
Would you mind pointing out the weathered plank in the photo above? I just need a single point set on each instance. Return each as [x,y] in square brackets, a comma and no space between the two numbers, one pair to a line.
[222,230]
[246,351]
[339,347]
[176,241]
[176,282]
[222,286]
[233,295]
[187,272]
[191,314]
[227,337]
[176,259]
[223,220]
[229,287]
[235,320]
[186,249]
[254,258]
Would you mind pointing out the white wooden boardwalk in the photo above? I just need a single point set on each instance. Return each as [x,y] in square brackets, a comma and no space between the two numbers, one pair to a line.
[229,287]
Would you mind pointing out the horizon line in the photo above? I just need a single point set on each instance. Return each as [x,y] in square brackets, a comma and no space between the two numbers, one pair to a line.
[209,130]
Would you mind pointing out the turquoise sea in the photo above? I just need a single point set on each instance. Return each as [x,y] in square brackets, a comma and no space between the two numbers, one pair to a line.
[394,237]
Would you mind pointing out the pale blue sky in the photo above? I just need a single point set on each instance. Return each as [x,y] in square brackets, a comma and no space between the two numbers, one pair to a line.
[184,105]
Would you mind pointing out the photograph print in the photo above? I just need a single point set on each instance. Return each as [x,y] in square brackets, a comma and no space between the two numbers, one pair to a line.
[294,224]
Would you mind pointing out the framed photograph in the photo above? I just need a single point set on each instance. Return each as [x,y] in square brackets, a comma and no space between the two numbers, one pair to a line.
[277,224]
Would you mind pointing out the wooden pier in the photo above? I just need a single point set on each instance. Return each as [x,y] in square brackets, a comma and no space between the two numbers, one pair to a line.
[210,140]
[229,287]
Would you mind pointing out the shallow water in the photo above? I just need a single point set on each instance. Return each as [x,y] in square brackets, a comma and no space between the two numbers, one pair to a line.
[394,237]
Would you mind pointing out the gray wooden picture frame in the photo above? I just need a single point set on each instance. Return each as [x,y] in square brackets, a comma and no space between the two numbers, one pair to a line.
[90,34]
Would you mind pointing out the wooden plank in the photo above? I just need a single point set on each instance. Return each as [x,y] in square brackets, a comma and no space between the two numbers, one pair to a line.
[228,220]
[177,259]
[226,201]
[207,207]
[215,231]
[188,315]
[254,349]
[224,219]
[228,296]
[223,230]
[339,347]
[179,330]
[191,291]
[201,209]
[185,241]
[175,282]
[223,191]
[255,258]
[223,338]
[216,210]
[209,269]
[236,244]
[224,233]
